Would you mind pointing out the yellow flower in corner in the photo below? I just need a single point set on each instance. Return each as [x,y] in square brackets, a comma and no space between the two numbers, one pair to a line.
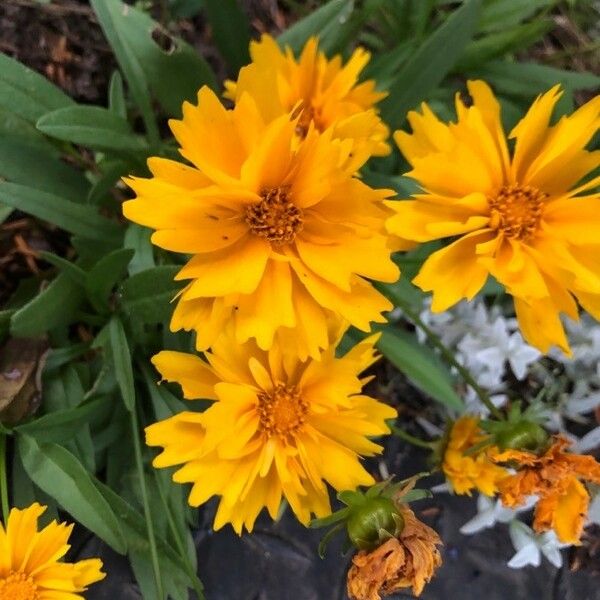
[524,216]
[324,93]
[29,560]
[465,472]
[278,427]
[282,235]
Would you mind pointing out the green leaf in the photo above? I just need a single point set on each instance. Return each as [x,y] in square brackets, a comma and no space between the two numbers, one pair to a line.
[116,96]
[133,526]
[231,31]
[5,316]
[174,74]
[75,272]
[528,79]
[138,239]
[420,365]
[58,473]
[110,15]
[31,164]
[147,296]
[428,66]
[64,424]
[70,216]
[324,22]
[26,93]
[91,126]
[122,362]
[54,306]
[103,276]
[498,43]
[503,14]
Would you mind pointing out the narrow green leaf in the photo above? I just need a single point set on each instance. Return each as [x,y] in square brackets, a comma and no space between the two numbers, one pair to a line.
[134,529]
[5,316]
[122,362]
[116,96]
[37,166]
[26,93]
[138,239]
[428,66]
[53,307]
[528,79]
[110,14]
[499,43]
[420,365]
[75,272]
[231,31]
[58,473]
[499,15]
[325,22]
[64,424]
[103,276]
[91,126]
[70,216]
[147,296]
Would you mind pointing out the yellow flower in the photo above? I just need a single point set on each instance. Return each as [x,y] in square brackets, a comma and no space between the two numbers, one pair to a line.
[282,235]
[554,477]
[466,472]
[322,92]
[29,560]
[277,427]
[523,217]
[409,560]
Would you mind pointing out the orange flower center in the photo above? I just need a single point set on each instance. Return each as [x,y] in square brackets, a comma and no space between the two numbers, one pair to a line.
[282,411]
[517,211]
[275,217]
[18,586]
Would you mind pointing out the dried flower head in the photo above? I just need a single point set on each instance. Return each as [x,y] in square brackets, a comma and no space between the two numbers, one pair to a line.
[555,477]
[409,560]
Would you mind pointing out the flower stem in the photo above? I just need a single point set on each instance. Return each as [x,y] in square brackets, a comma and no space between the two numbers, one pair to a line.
[191,572]
[147,514]
[411,439]
[3,479]
[435,340]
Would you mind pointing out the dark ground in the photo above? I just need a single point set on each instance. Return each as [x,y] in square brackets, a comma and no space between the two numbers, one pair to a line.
[278,561]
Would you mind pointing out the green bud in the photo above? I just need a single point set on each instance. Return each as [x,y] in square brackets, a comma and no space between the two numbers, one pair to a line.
[371,522]
[524,435]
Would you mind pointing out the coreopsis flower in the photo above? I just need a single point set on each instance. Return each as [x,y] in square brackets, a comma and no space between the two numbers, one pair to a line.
[282,235]
[321,92]
[277,427]
[30,566]
[555,477]
[522,216]
[465,472]
[408,560]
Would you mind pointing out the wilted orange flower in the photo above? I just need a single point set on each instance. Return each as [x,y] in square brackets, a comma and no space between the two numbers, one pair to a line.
[30,565]
[466,472]
[410,560]
[524,218]
[322,92]
[554,477]
[282,235]
[277,427]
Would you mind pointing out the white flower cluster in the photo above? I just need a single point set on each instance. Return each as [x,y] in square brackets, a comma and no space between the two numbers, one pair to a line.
[490,345]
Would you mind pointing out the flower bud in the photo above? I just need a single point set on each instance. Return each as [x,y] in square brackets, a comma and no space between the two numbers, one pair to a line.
[371,522]
[524,435]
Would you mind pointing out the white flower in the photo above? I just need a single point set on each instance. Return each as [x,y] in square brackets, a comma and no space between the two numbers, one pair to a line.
[491,511]
[588,442]
[530,546]
[594,510]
